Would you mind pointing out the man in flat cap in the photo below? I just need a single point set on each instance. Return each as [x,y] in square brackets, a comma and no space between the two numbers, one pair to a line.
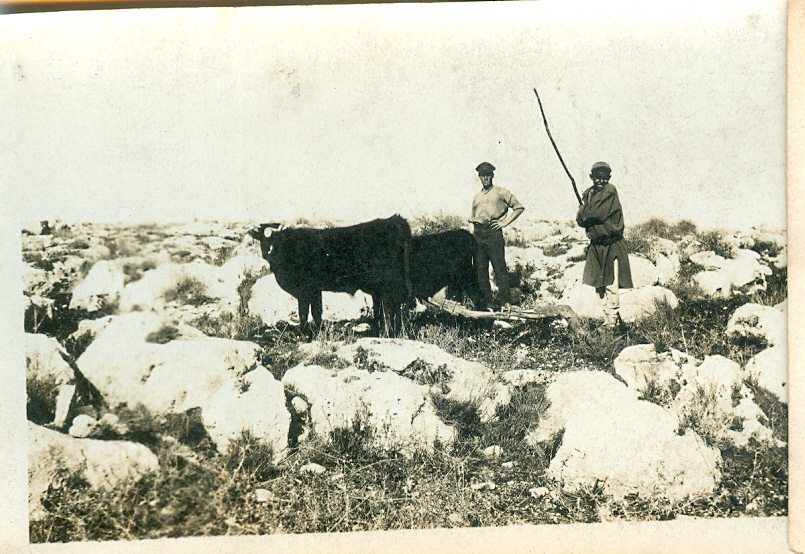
[493,208]
[607,265]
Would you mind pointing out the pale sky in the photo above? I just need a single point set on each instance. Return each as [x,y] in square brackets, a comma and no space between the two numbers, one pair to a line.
[357,112]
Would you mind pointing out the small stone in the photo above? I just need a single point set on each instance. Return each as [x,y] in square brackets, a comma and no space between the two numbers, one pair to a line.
[508,465]
[262,495]
[337,476]
[455,518]
[481,486]
[751,507]
[493,451]
[538,492]
[362,328]
[83,426]
[299,405]
[312,468]
[503,324]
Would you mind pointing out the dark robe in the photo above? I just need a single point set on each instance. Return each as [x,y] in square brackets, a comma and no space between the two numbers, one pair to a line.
[602,217]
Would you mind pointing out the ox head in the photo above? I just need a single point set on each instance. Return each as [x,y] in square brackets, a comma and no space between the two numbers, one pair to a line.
[265,233]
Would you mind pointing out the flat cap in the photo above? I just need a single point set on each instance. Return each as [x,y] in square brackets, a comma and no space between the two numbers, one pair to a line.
[485,168]
[602,167]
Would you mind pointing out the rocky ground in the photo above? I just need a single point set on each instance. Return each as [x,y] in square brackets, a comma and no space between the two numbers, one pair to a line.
[170,392]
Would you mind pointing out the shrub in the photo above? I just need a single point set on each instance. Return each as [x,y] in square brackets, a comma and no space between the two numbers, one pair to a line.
[658,227]
[328,359]
[714,240]
[424,373]
[767,249]
[121,247]
[189,291]
[776,288]
[555,249]
[464,416]
[41,400]
[134,271]
[237,326]
[363,360]
[436,223]
[163,335]
[598,343]
[516,239]
[662,328]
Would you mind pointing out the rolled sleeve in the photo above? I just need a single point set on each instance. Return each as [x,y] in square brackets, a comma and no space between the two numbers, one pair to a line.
[512,201]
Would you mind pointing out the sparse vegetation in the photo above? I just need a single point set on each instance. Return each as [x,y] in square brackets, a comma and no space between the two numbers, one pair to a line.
[555,249]
[436,223]
[198,491]
[189,291]
[714,240]
[163,335]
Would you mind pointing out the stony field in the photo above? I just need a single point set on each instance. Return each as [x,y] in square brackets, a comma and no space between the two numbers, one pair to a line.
[171,392]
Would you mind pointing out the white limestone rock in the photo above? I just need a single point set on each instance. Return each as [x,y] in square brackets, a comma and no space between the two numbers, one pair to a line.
[466,382]
[254,403]
[100,288]
[633,448]
[764,322]
[103,464]
[770,368]
[394,408]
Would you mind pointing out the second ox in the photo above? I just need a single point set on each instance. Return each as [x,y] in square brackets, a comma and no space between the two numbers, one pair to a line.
[444,260]
[372,257]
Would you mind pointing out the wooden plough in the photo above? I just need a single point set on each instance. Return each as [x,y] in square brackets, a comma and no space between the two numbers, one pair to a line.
[509,313]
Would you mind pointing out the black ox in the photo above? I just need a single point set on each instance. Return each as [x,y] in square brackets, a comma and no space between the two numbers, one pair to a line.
[444,260]
[372,257]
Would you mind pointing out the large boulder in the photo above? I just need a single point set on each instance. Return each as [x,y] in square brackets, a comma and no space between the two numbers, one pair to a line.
[148,292]
[631,446]
[100,288]
[770,369]
[340,306]
[722,275]
[634,448]
[764,322]
[53,456]
[393,409]
[644,273]
[641,302]
[710,395]
[575,392]
[572,276]
[642,369]
[133,360]
[255,403]
[272,304]
[50,381]
[584,301]
[170,377]
[667,268]
[459,380]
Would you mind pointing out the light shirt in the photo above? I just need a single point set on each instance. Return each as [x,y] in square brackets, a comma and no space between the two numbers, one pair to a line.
[492,204]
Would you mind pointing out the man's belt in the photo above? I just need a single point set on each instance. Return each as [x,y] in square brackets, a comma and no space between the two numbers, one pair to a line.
[484,227]
[606,241]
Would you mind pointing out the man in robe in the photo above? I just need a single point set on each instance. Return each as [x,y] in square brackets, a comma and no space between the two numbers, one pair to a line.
[607,265]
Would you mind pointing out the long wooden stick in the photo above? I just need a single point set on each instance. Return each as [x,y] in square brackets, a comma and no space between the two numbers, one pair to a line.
[545,121]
